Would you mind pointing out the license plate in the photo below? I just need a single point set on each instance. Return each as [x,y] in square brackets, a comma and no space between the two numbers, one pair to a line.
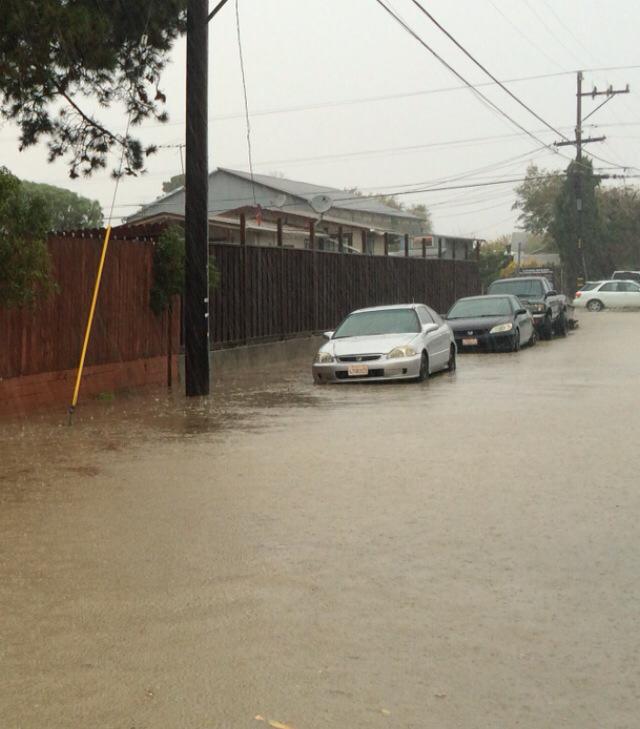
[470,342]
[358,370]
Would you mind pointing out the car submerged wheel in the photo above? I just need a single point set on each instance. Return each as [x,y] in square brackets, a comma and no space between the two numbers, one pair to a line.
[515,345]
[561,327]
[534,337]
[595,305]
[424,368]
[451,364]
[547,328]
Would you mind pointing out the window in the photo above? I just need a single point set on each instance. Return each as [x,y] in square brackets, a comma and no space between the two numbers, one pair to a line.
[628,286]
[589,286]
[613,286]
[436,317]
[424,316]
[523,288]
[478,307]
[628,275]
[381,321]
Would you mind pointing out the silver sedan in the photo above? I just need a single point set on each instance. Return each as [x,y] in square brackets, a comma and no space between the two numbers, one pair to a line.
[404,342]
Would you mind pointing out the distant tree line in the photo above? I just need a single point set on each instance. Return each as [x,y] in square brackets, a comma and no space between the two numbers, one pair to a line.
[600,237]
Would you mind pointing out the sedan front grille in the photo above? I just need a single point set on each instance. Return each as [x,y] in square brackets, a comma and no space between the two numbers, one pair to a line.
[464,333]
[359,358]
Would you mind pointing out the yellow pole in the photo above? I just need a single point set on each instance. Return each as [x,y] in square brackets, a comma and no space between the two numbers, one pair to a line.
[87,334]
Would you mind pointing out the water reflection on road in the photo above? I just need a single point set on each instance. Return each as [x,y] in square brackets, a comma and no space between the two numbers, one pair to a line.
[456,553]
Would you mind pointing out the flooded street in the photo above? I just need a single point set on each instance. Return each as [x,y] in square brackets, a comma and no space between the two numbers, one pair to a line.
[457,554]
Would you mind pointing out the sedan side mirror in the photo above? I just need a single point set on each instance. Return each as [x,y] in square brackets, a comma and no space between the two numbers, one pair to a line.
[327,335]
[519,312]
[551,293]
[428,328]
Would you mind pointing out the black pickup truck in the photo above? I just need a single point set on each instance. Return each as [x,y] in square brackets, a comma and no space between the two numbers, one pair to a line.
[550,310]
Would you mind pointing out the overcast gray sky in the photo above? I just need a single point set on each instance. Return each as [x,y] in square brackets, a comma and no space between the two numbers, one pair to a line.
[317,72]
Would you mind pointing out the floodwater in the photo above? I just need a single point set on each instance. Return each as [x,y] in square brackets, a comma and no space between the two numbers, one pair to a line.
[461,553]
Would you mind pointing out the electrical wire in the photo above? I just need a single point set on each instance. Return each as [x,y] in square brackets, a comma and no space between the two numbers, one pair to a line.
[523,35]
[485,100]
[568,30]
[550,30]
[246,101]
[486,70]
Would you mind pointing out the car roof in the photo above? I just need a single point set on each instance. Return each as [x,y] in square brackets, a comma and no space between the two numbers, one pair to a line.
[489,296]
[387,308]
[519,278]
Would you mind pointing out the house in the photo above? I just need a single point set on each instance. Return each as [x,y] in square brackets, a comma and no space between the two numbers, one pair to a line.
[260,208]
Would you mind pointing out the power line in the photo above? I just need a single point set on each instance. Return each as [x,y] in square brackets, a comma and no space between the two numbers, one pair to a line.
[246,101]
[447,65]
[385,150]
[484,68]
[549,29]
[568,30]
[388,97]
[396,192]
[523,35]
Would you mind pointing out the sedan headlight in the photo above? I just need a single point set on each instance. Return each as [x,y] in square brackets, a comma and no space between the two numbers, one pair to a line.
[537,308]
[324,358]
[401,352]
[499,328]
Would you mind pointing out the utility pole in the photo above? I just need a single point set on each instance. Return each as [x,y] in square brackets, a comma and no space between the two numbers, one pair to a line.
[579,141]
[196,204]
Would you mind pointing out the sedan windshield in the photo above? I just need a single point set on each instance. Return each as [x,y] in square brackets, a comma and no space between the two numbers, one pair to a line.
[384,321]
[517,288]
[470,308]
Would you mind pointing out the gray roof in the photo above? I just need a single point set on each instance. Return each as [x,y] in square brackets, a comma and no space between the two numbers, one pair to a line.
[173,202]
[342,199]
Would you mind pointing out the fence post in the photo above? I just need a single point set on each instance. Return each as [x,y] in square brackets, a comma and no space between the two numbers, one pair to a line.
[340,240]
[440,247]
[478,250]
[312,235]
[386,244]
[363,241]
[424,247]
[466,250]
[314,273]
[245,278]
[455,273]
[406,245]
[283,300]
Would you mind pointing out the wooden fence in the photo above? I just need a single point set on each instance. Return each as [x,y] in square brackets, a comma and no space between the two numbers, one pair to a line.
[271,293]
[264,294]
[48,337]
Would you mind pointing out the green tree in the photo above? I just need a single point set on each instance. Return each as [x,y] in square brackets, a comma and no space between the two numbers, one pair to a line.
[420,210]
[66,210]
[24,257]
[174,183]
[494,257]
[576,226]
[168,269]
[57,58]
[536,200]
[620,213]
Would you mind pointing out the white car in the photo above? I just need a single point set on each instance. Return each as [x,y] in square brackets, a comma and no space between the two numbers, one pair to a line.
[404,342]
[599,295]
